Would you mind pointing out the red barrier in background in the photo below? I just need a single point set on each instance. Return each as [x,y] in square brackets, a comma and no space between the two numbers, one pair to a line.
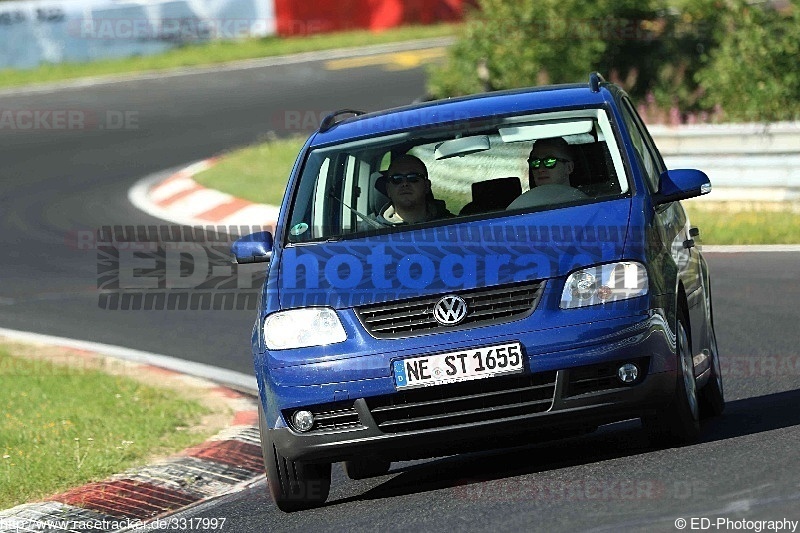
[303,17]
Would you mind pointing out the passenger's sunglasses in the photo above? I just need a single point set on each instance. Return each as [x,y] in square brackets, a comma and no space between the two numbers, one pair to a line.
[411,177]
[548,162]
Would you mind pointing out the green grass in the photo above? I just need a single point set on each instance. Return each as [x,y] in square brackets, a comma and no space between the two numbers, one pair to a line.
[218,52]
[259,173]
[756,225]
[62,426]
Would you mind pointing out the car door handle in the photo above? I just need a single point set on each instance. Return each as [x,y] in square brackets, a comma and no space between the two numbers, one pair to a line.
[693,234]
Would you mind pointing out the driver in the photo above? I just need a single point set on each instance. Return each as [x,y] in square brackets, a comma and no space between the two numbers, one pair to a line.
[408,187]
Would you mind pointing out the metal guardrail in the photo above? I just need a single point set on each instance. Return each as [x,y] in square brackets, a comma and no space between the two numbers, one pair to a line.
[713,139]
[746,162]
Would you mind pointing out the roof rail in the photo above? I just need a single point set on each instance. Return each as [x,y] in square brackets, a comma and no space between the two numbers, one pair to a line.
[330,120]
[595,79]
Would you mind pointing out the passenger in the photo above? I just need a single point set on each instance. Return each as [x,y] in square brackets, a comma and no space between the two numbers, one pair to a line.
[550,162]
[408,187]
[550,165]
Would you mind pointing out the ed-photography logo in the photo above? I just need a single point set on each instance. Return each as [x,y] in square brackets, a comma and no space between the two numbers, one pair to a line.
[158,268]
[190,268]
[444,260]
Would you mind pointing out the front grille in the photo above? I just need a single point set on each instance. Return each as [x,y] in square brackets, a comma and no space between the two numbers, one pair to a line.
[329,417]
[486,306]
[600,377]
[473,401]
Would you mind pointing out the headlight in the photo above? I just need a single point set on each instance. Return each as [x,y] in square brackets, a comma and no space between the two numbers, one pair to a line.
[298,328]
[604,283]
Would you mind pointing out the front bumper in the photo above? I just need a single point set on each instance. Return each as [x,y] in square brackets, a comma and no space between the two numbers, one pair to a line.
[571,415]
[563,391]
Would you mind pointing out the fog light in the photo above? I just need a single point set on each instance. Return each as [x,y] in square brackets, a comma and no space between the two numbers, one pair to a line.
[303,420]
[628,373]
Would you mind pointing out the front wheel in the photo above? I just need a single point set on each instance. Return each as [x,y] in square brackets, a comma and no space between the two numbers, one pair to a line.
[679,422]
[294,485]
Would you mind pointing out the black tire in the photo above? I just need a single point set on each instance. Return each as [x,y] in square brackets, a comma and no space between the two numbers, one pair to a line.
[712,396]
[366,468]
[678,423]
[294,485]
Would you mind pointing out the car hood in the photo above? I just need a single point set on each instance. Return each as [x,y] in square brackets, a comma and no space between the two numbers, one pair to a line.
[453,257]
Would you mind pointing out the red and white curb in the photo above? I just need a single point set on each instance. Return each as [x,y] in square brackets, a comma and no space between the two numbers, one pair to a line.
[180,199]
[143,495]
[227,462]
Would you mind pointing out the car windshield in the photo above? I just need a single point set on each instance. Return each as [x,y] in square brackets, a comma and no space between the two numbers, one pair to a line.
[483,168]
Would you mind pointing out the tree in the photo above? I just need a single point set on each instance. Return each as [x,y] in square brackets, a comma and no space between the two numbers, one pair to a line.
[752,73]
[687,56]
[516,43]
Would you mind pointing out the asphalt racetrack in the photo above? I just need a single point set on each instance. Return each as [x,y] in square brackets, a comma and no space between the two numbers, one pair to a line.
[56,182]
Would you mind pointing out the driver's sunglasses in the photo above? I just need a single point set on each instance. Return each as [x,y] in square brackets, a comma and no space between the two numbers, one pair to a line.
[411,177]
[549,162]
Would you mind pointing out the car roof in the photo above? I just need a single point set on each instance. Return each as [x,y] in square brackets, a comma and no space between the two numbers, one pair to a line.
[466,108]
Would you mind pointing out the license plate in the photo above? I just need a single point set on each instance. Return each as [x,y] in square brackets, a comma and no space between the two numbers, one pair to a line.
[452,367]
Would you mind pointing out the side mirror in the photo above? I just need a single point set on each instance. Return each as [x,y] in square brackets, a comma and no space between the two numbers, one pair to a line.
[254,248]
[680,185]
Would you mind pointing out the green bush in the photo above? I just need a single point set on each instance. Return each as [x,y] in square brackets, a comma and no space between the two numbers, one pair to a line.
[506,44]
[502,47]
[687,56]
[752,74]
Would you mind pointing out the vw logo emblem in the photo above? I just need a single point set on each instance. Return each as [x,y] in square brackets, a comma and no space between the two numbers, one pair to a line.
[450,310]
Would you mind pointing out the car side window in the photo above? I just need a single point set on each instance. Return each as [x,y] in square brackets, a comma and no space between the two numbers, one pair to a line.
[650,161]
[318,222]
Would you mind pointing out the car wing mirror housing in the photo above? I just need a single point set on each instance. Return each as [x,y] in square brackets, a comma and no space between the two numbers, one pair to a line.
[681,184]
[253,248]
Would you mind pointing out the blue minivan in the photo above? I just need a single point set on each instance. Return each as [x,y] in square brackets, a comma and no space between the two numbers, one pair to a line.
[521,308]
